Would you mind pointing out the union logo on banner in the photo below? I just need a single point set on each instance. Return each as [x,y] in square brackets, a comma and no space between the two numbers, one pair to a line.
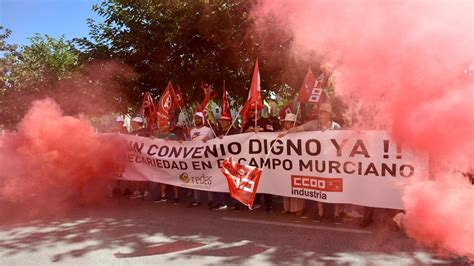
[242,180]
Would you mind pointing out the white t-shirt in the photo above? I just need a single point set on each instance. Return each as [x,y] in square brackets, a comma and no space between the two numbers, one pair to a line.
[201,133]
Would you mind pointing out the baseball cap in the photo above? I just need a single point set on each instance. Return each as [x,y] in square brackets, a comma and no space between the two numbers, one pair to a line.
[137,119]
[119,119]
[290,117]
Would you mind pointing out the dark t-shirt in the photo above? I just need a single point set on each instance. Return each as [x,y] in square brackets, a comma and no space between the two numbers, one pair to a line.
[276,123]
[142,132]
[180,133]
[264,123]
[232,131]
[122,130]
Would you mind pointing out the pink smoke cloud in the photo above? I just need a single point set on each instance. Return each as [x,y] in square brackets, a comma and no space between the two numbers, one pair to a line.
[406,61]
[51,158]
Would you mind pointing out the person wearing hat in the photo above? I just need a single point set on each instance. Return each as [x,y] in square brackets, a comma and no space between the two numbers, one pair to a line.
[324,122]
[225,129]
[203,133]
[120,125]
[292,205]
[121,129]
[137,127]
[139,130]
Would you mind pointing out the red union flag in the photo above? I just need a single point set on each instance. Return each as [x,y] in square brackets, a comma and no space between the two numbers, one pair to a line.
[254,100]
[313,89]
[179,97]
[167,104]
[148,111]
[243,181]
[209,94]
[225,107]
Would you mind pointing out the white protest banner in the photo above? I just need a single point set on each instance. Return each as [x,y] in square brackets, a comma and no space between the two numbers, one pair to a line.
[358,167]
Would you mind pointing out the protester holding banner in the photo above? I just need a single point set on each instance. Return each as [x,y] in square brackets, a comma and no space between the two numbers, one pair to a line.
[257,123]
[323,123]
[292,205]
[119,128]
[166,134]
[226,128]
[139,130]
[200,133]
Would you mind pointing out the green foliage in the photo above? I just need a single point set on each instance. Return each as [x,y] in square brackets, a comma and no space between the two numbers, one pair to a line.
[8,52]
[193,41]
[45,60]
[50,67]
[139,46]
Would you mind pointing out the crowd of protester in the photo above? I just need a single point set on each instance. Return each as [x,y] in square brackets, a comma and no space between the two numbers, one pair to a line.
[321,117]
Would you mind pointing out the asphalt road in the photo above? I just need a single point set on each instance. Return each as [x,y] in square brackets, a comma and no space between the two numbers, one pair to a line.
[124,232]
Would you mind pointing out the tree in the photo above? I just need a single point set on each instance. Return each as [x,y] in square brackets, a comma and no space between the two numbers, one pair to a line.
[192,41]
[50,67]
[7,51]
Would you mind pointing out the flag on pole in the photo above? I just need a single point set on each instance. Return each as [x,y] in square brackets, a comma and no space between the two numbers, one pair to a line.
[209,94]
[179,97]
[225,107]
[306,89]
[148,111]
[242,180]
[167,105]
[254,99]
[312,90]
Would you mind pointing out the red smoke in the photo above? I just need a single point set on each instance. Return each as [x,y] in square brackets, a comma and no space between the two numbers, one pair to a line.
[404,60]
[49,160]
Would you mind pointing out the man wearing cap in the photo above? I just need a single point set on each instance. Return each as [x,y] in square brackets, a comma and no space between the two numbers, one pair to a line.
[263,124]
[120,125]
[292,205]
[137,127]
[121,129]
[200,132]
[139,130]
[323,123]
[225,129]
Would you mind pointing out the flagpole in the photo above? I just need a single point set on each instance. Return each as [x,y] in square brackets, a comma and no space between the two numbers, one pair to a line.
[255,128]
[231,125]
[297,112]
[213,132]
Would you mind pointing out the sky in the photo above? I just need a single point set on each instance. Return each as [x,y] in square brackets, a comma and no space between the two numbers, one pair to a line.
[52,17]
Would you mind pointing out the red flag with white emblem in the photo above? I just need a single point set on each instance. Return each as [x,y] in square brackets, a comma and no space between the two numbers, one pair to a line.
[148,111]
[313,89]
[242,180]
[167,105]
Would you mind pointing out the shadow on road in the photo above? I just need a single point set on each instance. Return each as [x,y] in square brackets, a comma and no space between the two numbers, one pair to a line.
[132,229]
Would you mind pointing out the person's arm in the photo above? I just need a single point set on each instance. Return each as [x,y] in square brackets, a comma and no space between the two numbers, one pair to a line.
[291,130]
